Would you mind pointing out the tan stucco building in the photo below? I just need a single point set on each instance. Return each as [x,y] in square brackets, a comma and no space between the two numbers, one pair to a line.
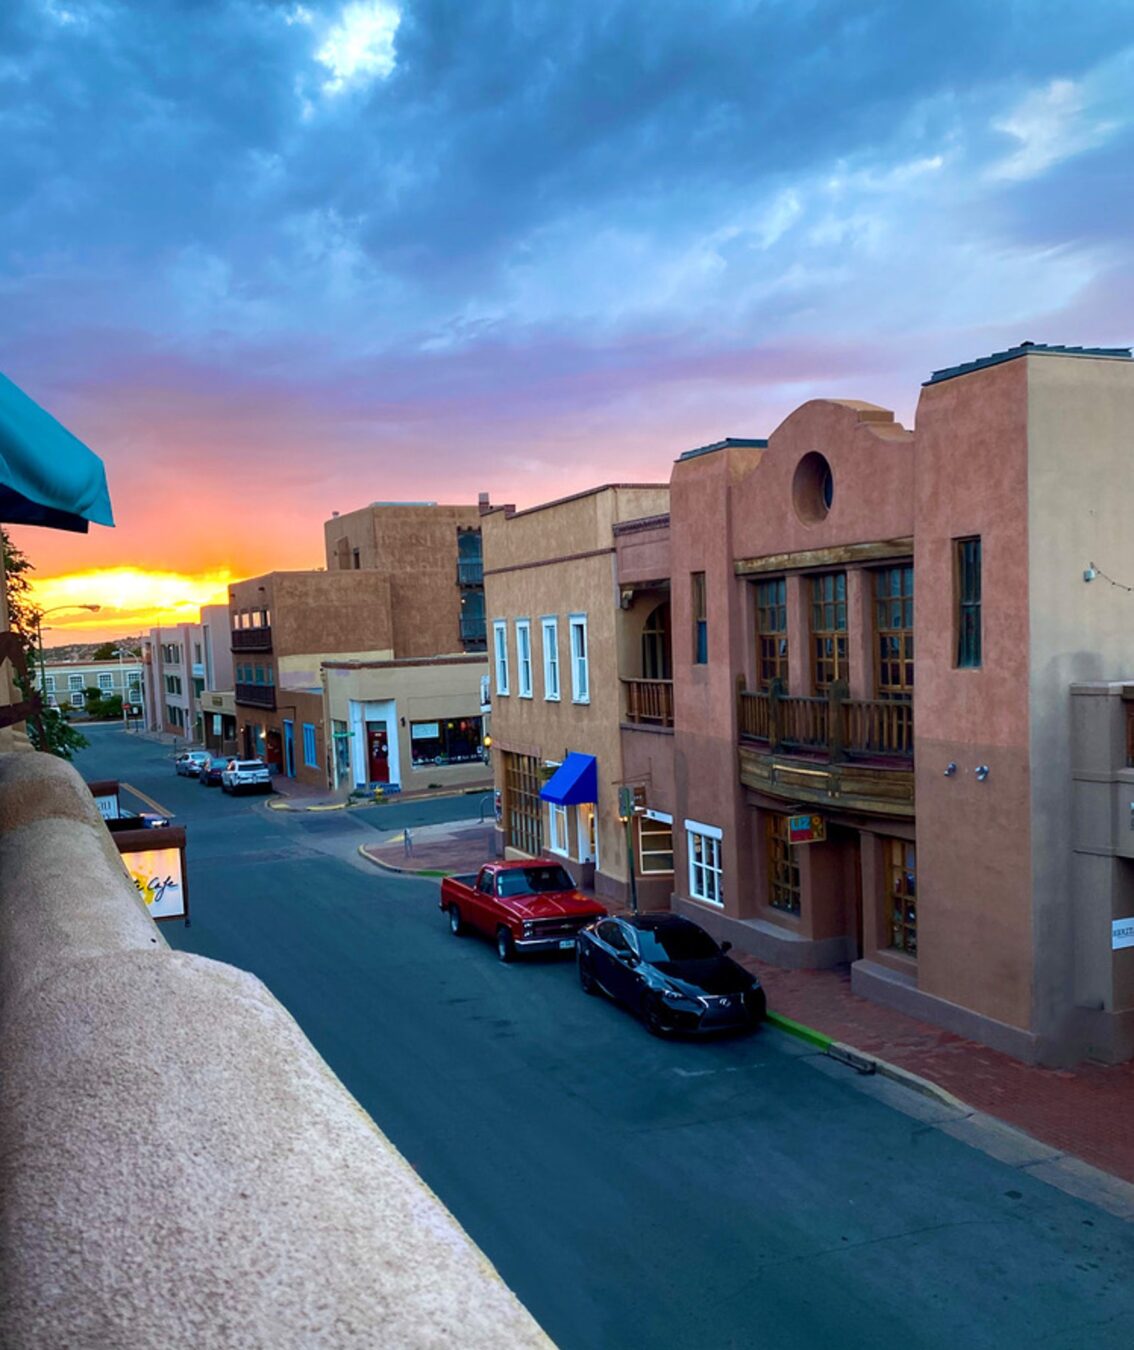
[555,629]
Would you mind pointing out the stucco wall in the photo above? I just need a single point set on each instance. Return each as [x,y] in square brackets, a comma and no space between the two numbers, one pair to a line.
[975,937]
[1080,440]
[313,612]
[178,1167]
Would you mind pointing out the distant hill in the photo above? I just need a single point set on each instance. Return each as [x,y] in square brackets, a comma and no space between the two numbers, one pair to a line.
[84,651]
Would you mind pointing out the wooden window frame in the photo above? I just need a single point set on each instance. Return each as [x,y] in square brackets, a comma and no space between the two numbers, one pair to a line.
[901,894]
[771,632]
[968,598]
[894,642]
[522,806]
[784,893]
[699,606]
[654,829]
[830,646]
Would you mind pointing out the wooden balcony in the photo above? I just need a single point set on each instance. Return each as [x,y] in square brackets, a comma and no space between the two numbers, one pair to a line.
[251,639]
[649,702]
[256,695]
[827,750]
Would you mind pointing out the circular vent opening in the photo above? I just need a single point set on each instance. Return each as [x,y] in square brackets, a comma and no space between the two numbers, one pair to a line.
[812,488]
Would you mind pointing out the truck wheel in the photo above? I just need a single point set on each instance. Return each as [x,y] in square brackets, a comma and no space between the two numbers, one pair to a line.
[456,927]
[505,947]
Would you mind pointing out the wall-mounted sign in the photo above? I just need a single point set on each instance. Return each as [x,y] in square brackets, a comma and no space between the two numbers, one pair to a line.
[806,829]
[1121,934]
[156,873]
[424,731]
[631,799]
[105,793]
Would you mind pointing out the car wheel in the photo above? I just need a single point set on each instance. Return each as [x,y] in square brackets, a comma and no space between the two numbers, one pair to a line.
[456,927]
[586,979]
[505,947]
[654,1015]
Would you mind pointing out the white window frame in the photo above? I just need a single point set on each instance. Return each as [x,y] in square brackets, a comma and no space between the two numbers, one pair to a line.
[584,821]
[523,658]
[705,877]
[500,655]
[549,627]
[49,684]
[580,663]
[105,681]
[558,830]
[74,682]
[78,698]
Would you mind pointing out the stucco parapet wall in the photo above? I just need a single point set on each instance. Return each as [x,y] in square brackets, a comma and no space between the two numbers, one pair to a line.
[180,1168]
[408,662]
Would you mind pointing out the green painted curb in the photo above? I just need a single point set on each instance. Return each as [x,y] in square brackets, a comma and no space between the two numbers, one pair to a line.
[815,1038]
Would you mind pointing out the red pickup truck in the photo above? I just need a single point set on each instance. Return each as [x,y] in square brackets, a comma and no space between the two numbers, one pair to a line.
[526,906]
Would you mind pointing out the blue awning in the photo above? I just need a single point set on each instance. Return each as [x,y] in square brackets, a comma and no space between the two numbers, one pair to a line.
[47,475]
[575,781]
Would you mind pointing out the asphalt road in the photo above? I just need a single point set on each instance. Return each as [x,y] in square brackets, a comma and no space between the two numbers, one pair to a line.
[633,1192]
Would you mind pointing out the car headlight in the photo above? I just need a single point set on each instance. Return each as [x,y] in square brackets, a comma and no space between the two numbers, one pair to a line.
[528,930]
[676,996]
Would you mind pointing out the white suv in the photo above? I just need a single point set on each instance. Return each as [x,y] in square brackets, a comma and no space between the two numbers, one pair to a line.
[246,773]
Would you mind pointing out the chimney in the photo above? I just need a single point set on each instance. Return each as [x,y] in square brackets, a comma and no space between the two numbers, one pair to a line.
[334,515]
[483,503]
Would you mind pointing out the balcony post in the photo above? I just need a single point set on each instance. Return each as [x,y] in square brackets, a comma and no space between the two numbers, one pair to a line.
[775,694]
[837,696]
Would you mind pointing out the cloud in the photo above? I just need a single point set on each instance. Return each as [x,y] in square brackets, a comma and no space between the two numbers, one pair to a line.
[1050,125]
[361,45]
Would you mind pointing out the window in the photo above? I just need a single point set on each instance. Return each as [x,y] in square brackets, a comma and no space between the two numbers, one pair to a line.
[557,838]
[783,866]
[105,681]
[771,633]
[828,630]
[355,560]
[197,657]
[700,620]
[310,755]
[901,892]
[49,684]
[655,843]
[586,822]
[74,682]
[967,572]
[893,627]
[259,674]
[550,629]
[656,664]
[500,647]
[198,687]
[453,740]
[704,843]
[523,814]
[78,698]
[173,684]
[580,669]
[524,657]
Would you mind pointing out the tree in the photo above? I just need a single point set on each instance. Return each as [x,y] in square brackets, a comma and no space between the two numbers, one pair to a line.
[51,731]
[106,652]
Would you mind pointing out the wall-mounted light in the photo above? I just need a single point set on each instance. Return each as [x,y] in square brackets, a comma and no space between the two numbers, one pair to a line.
[1090,572]
[981,772]
[950,768]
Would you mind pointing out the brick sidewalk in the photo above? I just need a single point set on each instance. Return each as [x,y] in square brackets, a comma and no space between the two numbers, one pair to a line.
[1087,1112]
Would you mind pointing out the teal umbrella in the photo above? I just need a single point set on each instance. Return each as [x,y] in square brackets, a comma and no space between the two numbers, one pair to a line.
[47,475]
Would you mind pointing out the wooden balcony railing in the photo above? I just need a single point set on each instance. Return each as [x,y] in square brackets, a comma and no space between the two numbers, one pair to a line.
[836,726]
[251,639]
[256,695]
[649,702]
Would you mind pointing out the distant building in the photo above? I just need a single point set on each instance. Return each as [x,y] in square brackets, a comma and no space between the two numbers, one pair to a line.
[65,683]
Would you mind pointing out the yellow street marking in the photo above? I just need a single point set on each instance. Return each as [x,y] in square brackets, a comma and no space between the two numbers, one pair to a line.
[161,810]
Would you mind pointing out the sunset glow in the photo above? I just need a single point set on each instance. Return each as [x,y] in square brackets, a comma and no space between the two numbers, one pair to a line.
[130,601]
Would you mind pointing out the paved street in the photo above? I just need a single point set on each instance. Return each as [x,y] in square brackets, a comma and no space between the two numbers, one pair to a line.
[633,1192]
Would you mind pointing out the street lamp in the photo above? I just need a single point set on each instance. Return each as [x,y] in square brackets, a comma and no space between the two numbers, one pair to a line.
[40,615]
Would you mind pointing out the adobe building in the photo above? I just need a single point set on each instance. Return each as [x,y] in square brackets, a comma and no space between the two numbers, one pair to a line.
[933,831]
[557,630]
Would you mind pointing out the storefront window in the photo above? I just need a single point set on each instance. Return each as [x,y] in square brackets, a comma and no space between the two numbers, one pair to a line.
[454,740]
[783,866]
[901,878]
[655,844]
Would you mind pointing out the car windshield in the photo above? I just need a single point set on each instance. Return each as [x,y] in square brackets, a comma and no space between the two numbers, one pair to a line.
[533,880]
[675,942]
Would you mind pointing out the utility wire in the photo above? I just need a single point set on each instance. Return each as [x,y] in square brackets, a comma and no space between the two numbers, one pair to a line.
[1099,572]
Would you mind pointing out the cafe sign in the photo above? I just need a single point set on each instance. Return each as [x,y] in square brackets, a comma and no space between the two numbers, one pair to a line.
[157,877]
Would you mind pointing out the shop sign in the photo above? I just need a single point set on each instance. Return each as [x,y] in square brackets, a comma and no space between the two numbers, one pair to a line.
[156,873]
[424,731]
[1121,934]
[631,800]
[108,806]
[806,829]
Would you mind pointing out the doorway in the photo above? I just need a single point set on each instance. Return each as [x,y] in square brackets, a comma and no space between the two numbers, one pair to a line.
[289,748]
[377,752]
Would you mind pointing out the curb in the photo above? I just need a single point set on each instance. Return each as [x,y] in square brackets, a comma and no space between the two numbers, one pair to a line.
[863,1063]
[401,871]
[354,804]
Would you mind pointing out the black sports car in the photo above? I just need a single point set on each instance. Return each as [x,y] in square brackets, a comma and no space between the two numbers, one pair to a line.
[670,972]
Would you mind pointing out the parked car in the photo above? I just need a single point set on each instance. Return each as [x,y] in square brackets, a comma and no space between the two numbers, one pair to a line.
[189,763]
[527,906]
[246,775]
[211,770]
[670,972]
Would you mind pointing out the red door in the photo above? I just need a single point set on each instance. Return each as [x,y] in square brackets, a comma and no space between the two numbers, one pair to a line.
[378,752]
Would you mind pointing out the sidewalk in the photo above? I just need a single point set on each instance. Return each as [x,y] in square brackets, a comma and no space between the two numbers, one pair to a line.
[1087,1112]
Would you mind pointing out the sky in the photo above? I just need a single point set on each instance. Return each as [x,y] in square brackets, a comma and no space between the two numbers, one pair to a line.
[271,260]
